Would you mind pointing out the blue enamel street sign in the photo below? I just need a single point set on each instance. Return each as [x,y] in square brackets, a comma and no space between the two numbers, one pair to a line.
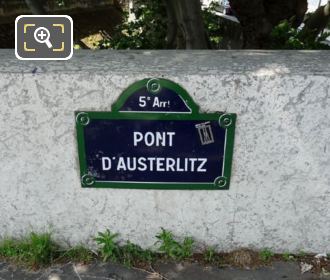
[155,138]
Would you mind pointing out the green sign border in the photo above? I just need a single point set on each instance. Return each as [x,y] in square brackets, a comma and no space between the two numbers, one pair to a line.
[226,120]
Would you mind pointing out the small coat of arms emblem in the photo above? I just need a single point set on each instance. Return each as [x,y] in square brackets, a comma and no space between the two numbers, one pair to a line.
[205,133]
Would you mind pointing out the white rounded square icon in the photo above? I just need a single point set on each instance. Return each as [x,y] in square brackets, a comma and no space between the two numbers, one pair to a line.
[44,37]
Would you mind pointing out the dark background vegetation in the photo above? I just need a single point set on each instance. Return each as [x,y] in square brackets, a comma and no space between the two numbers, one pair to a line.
[179,24]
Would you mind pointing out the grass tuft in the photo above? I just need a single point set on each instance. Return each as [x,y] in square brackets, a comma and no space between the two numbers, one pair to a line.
[210,255]
[266,255]
[8,249]
[77,254]
[35,251]
[132,254]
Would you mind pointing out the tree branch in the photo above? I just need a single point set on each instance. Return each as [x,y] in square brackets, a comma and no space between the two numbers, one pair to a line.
[316,22]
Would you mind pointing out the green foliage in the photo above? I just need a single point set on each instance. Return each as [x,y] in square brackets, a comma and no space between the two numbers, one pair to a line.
[265,255]
[40,249]
[8,249]
[212,24]
[78,254]
[302,254]
[35,251]
[147,31]
[131,254]
[109,248]
[284,36]
[209,255]
[288,257]
[187,247]
[174,249]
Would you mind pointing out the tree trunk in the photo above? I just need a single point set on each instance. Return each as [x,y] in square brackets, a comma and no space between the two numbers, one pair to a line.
[186,23]
[254,22]
[36,7]
[172,25]
[259,17]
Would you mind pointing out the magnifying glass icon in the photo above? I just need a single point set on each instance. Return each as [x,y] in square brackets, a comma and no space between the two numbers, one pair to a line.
[41,35]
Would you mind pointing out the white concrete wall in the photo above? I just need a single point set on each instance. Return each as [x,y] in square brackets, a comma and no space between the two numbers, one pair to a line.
[280,189]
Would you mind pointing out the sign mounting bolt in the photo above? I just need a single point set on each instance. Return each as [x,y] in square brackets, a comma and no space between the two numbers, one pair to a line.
[153,86]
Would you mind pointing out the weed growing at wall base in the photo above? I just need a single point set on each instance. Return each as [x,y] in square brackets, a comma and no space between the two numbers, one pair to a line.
[265,255]
[128,254]
[109,248]
[288,257]
[77,254]
[209,255]
[172,248]
[132,254]
[39,250]
[36,250]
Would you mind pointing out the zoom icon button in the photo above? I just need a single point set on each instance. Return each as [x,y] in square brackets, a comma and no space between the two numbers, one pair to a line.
[43,37]
[39,35]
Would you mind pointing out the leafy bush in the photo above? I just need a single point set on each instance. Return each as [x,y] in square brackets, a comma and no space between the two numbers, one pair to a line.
[212,24]
[146,31]
[284,36]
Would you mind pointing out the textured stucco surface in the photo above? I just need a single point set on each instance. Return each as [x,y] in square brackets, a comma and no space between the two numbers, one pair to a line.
[280,188]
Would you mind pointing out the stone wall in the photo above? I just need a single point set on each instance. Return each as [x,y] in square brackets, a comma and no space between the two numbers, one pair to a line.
[280,187]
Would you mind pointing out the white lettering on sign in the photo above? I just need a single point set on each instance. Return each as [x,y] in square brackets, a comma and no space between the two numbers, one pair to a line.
[153,138]
[106,163]
[159,164]
[160,104]
[155,101]
[142,101]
